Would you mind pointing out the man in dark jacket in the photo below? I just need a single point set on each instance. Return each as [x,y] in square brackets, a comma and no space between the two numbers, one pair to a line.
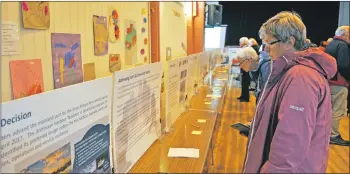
[339,84]
[243,42]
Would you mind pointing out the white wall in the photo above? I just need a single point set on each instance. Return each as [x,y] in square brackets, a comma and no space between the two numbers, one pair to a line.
[71,17]
[173,29]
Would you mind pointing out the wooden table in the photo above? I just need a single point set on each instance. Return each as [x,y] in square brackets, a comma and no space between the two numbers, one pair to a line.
[156,159]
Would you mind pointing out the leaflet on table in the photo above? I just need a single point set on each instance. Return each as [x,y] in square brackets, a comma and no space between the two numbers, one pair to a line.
[136,113]
[62,131]
[176,93]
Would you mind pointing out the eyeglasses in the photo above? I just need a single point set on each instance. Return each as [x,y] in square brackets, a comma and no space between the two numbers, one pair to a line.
[273,42]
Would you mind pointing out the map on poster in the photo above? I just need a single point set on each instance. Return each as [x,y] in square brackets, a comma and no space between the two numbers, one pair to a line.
[136,113]
[62,131]
[176,93]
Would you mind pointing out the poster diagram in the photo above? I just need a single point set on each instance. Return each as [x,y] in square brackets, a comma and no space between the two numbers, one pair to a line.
[26,77]
[130,42]
[100,35]
[66,59]
[113,19]
[183,76]
[36,15]
[92,152]
[58,161]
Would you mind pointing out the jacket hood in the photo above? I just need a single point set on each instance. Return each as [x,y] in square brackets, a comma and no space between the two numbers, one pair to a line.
[313,57]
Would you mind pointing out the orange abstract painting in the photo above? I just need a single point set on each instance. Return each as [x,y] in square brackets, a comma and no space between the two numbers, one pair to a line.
[26,78]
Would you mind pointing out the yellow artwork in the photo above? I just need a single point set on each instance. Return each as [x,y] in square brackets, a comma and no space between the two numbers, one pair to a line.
[89,71]
[36,15]
[143,11]
[100,35]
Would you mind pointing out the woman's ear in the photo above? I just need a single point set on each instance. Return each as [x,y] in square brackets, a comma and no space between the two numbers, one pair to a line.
[290,44]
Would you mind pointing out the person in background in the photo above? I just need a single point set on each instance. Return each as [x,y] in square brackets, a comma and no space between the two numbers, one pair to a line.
[338,48]
[329,40]
[323,45]
[310,44]
[248,58]
[243,42]
[259,75]
[254,44]
[291,127]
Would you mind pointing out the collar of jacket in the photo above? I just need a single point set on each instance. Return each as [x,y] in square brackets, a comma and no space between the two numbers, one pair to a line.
[339,38]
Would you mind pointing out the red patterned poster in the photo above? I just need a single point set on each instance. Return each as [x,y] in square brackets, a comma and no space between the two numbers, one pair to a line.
[26,77]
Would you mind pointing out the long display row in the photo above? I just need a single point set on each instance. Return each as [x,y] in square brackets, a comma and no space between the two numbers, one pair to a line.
[99,125]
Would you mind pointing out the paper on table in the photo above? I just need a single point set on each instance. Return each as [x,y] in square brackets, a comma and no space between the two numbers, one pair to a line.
[207,103]
[201,120]
[214,96]
[183,152]
[196,132]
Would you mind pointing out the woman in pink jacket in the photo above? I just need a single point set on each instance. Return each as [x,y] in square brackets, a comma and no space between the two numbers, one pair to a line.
[292,124]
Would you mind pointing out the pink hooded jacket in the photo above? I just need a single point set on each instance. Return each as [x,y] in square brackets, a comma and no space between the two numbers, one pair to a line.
[291,129]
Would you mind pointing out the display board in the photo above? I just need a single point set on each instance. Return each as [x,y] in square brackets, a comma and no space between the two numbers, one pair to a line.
[61,131]
[176,90]
[203,67]
[192,78]
[136,113]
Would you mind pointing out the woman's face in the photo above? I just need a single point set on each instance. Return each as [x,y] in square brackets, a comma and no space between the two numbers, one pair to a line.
[276,48]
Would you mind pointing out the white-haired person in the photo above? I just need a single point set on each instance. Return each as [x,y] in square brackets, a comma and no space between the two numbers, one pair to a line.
[248,59]
[292,123]
[243,42]
[329,40]
[245,83]
[338,48]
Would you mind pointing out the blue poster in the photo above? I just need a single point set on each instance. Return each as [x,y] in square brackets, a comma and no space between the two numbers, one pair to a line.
[92,152]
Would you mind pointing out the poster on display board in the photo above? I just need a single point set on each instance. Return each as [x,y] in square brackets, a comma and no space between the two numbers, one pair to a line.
[61,131]
[192,79]
[176,90]
[203,67]
[136,113]
[212,59]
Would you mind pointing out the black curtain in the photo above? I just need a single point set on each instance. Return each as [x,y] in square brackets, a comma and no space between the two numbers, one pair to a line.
[245,18]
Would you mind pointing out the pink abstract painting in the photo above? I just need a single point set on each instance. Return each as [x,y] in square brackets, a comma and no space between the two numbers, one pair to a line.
[66,59]
[26,78]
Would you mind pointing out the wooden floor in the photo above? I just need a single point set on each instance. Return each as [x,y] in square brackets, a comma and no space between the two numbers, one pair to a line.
[229,150]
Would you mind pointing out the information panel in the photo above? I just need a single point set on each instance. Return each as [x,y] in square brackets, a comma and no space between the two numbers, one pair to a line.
[176,89]
[136,113]
[62,131]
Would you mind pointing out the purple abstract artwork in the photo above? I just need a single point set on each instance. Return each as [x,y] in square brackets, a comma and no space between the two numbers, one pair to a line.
[66,59]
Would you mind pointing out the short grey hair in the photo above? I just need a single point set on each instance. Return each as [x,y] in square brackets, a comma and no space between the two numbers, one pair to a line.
[283,25]
[244,40]
[247,52]
[342,31]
